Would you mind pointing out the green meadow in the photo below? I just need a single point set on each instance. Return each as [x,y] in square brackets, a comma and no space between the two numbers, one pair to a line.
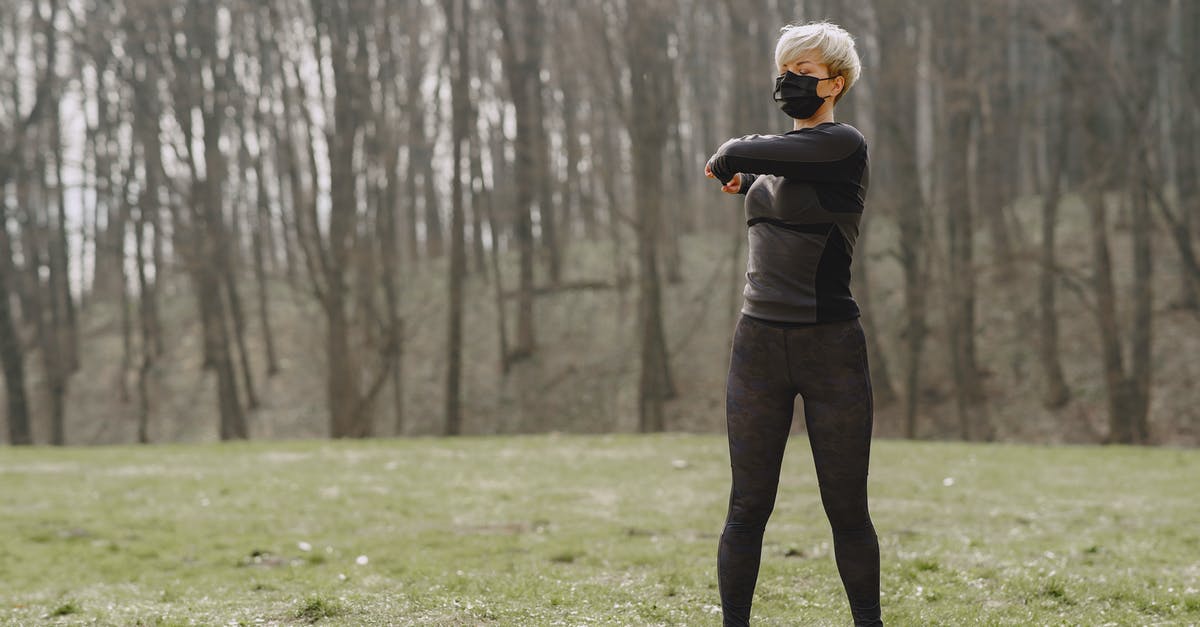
[582,530]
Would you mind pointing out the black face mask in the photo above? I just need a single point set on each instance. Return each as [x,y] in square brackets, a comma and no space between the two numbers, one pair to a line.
[797,94]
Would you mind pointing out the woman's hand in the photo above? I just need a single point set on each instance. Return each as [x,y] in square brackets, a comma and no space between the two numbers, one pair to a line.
[732,187]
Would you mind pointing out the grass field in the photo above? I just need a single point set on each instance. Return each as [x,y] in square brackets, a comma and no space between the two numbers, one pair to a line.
[582,530]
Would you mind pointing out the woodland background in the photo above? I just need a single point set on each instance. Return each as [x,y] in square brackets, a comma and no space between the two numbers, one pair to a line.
[229,219]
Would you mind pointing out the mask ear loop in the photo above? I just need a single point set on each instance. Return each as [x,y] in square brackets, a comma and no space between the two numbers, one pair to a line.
[825,79]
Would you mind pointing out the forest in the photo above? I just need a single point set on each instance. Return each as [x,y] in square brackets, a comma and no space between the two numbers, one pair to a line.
[232,219]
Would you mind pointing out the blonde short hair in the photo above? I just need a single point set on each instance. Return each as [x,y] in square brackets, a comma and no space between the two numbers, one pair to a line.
[832,43]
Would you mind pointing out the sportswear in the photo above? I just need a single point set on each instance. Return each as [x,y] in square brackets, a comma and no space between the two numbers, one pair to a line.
[805,192]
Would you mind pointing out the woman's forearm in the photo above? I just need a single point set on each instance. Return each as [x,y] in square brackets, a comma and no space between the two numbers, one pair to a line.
[812,155]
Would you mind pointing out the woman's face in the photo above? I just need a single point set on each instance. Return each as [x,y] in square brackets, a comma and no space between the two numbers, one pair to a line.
[809,62]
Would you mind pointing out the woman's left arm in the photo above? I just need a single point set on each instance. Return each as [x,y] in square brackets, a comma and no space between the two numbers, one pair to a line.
[809,156]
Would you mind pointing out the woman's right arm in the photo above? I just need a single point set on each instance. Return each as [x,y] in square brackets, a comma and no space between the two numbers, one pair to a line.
[809,156]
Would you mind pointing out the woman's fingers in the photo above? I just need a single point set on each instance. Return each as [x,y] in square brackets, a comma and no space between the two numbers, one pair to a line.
[732,187]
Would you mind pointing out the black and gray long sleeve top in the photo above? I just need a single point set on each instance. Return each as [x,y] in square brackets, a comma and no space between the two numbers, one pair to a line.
[804,200]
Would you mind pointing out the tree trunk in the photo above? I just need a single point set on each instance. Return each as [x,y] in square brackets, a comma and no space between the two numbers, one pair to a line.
[386,221]
[610,176]
[435,238]
[343,380]
[478,193]
[1120,429]
[672,257]
[648,30]
[234,302]
[519,28]
[499,193]
[148,314]
[344,368]
[543,174]
[107,267]
[331,258]
[59,249]
[1141,336]
[959,270]
[414,108]
[233,420]
[573,209]
[230,260]
[199,239]
[60,338]
[41,307]
[1055,393]
[963,129]
[901,181]
[260,235]
[146,126]
[1000,126]
[126,347]
[12,353]
[457,27]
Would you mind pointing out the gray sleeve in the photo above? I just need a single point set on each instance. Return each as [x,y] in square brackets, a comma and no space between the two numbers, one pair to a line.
[747,181]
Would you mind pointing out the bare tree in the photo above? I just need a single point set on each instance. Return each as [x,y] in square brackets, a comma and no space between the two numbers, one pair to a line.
[457,25]
[1128,176]
[897,184]
[12,146]
[44,239]
[646,31]
[344,29]
[962,130]
[521,26]
[1051,171]
[199,231]
[159,159]
[11,352]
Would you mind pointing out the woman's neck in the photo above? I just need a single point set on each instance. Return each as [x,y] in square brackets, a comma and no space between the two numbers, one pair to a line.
[815,120]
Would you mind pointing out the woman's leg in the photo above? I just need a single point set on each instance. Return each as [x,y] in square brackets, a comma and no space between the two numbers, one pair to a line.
[834,380]
[758,407]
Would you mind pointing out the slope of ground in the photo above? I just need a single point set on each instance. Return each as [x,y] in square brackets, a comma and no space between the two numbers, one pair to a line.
[583,377]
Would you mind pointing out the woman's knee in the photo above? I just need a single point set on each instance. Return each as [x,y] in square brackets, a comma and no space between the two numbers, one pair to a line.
[848,516]
[858,533]
[750,512]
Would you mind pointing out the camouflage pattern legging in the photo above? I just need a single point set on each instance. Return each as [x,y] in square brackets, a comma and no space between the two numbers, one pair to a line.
[826,364]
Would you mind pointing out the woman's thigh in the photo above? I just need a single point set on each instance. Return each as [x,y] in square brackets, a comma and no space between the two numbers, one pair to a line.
[830,368]
[759,404]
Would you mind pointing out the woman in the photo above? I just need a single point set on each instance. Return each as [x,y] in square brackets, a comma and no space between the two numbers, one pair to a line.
[798,333]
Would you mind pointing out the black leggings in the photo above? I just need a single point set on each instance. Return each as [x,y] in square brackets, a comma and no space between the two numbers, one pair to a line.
[826,364]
